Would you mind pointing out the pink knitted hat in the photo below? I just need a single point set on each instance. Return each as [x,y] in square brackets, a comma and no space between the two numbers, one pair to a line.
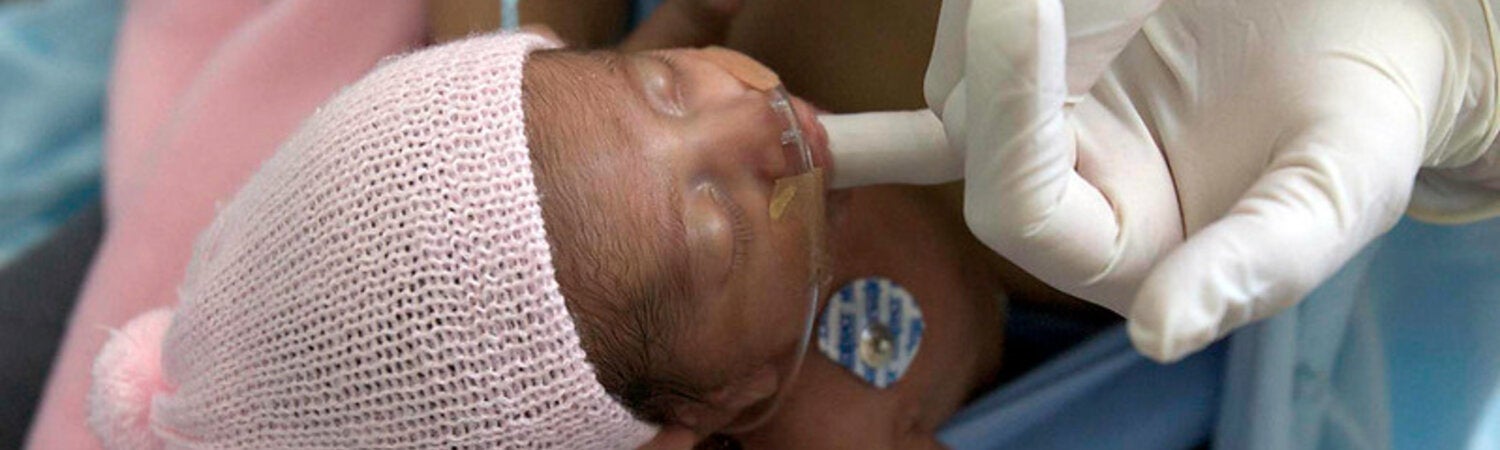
[384,281]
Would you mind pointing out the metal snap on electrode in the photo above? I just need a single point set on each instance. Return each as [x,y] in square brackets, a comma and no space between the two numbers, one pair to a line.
[876,345]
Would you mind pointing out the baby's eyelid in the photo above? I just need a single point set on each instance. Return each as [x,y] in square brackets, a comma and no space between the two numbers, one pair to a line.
[739,226]
[678,78]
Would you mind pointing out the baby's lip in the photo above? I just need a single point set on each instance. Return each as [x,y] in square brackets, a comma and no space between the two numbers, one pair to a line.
[816,138]
[813,133]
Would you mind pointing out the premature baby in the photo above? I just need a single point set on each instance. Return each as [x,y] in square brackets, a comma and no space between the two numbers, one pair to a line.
[494,245]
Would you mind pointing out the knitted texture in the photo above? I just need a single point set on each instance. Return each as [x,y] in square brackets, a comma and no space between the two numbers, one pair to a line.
[384,281]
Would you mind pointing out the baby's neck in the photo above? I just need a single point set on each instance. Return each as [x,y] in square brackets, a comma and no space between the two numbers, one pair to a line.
[924,245]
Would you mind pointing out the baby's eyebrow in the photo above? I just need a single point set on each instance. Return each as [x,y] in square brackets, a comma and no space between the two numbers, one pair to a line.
[673,233]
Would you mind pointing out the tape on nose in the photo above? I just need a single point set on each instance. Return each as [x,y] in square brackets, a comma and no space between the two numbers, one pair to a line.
[747,70]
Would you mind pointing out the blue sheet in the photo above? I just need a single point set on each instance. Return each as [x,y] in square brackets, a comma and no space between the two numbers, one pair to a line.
[1099,394]
[54,62]
[1401,349]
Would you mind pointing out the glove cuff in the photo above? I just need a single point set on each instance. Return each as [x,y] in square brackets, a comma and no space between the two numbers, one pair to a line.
[1459,195]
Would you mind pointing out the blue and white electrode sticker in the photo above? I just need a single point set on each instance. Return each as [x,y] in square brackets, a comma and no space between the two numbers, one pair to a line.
[872,327]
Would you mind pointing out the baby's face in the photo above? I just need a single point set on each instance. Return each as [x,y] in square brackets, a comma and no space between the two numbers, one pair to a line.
[689,295]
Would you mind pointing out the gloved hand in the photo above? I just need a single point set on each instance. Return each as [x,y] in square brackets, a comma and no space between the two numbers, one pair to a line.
[1214,167]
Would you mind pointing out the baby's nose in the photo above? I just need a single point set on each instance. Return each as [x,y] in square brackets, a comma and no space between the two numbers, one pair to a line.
[740,92]
[749,135]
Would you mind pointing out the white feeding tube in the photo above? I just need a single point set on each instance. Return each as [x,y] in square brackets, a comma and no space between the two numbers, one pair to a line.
[897,147]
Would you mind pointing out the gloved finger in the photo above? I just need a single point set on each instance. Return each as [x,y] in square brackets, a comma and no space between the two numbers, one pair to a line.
[1097,31]
[946,66]
[1340,182]
[1024,197]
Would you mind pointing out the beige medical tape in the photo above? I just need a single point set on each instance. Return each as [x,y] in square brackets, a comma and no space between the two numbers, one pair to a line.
[800,197]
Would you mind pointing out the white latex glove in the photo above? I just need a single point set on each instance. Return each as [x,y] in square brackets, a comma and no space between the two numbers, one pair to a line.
[1232,155]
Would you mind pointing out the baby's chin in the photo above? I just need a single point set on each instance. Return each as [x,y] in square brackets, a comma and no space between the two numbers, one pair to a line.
[836,201]
[960,350]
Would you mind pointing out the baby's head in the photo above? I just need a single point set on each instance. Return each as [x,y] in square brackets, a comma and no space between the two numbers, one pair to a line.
[656,172]
[447,254]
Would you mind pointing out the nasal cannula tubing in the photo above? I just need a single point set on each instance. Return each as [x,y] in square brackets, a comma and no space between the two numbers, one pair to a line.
[806,197]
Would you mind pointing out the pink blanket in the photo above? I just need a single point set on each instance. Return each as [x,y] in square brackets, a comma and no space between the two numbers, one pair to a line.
[202,92]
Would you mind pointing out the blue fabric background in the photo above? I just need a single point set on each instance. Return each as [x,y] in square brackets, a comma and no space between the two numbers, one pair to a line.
[54,63]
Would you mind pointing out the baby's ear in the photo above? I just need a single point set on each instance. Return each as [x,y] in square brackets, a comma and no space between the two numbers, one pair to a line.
[672,437]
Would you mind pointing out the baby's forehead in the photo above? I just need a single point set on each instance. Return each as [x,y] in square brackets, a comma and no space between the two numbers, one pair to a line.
[591,122]
[594,79]
[584,102]
[590,142]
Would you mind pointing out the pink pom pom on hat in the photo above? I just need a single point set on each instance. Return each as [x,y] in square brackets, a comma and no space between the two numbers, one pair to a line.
[384,281]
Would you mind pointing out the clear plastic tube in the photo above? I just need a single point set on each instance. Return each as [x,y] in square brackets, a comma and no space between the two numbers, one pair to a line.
[812,214]
[792,141]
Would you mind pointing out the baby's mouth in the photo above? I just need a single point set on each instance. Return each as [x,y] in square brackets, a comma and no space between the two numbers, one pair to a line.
[813,133]
[817,139]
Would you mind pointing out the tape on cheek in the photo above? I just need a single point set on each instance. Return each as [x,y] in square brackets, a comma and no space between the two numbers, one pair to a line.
[800,198]
[742,67]
[786,191]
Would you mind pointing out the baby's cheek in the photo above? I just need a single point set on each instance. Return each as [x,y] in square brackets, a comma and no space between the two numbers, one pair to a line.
[829,409]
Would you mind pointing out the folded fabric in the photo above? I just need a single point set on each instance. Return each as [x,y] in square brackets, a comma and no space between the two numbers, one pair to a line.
[202,93]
